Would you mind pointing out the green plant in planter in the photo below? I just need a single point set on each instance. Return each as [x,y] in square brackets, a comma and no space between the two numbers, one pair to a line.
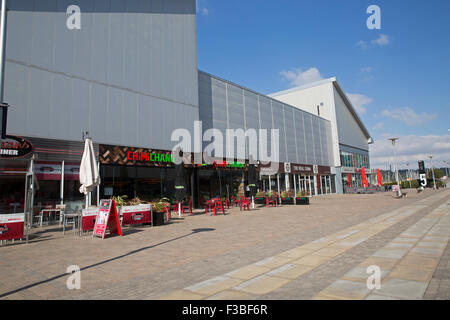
[159,205]
[284,194]
[273,194]
[136,201]
[120,200]
[261,194]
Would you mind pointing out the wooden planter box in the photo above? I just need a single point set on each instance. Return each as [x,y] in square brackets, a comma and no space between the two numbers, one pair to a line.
[302,200]
[287,200]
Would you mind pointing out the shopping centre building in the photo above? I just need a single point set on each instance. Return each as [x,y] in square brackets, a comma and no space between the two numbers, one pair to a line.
[350,138]
[129,77]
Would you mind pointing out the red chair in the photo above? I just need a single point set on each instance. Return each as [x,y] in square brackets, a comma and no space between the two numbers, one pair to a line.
[235,202]
[245,202]
[175,206]
[167,209]
[218,204]
[270,202]
[208,205]
[189,207]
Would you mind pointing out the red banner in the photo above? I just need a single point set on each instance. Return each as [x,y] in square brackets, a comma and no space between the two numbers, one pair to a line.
[136,214]
[12,226]
[88,219]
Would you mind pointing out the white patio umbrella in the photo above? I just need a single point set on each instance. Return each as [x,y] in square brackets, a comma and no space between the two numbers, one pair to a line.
[89,176]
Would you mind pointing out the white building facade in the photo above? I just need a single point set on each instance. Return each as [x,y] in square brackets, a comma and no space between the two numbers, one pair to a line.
[350,138]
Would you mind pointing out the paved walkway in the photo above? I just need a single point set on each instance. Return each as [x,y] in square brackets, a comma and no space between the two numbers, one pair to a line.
[409,277]
[319,251]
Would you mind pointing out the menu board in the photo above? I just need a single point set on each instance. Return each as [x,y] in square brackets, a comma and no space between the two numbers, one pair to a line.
[107,219]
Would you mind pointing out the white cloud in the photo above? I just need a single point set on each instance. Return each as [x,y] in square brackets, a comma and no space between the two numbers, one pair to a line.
[408,116]
[297,77]
[201,7]
[383,40]
[359,101]
[366,74]
[378,126]
[410,149]
[362,44]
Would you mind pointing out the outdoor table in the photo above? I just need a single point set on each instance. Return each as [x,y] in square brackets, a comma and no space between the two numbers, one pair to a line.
[49,212]
[74,216]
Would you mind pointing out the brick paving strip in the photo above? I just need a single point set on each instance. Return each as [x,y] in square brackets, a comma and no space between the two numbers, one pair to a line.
[407,263]
[270,274]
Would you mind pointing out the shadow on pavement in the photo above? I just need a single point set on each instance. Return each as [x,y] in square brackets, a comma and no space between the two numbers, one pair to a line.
[194,231]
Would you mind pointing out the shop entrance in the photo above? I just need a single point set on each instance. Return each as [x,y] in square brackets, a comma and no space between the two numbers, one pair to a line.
[12,187]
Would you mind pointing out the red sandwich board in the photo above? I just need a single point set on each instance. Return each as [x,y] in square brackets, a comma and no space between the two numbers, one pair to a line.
[107,218]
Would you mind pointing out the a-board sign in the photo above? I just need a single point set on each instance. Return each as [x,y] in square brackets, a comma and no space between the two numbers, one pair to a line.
[107,219]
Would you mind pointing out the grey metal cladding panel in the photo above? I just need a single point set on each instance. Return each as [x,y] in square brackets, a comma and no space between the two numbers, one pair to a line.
[325,142]
[130,46]
[82,52]
[147,133]
[102,5]
[98,111]
[100,35]
[116,39]
[64,45]
[144,57]
[298,116]
[16,94]
[278,120]
[290,134]
[265,113]
[20,26]
[113,115]
[251,110]
[79,110]
[45,5]
[317,142]
[22,5]
[129,116]
[308,139]
[60,119]
[39,107]
[42,40]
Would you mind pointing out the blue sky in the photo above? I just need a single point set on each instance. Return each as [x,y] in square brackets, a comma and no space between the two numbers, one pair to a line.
[397,77]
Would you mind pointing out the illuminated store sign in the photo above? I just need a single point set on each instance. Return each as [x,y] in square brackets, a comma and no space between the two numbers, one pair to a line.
[130,156]
[150,157]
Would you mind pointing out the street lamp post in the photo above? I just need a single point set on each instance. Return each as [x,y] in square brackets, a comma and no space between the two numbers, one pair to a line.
[432,170]
[399,192]
[446,167]
[409,174]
